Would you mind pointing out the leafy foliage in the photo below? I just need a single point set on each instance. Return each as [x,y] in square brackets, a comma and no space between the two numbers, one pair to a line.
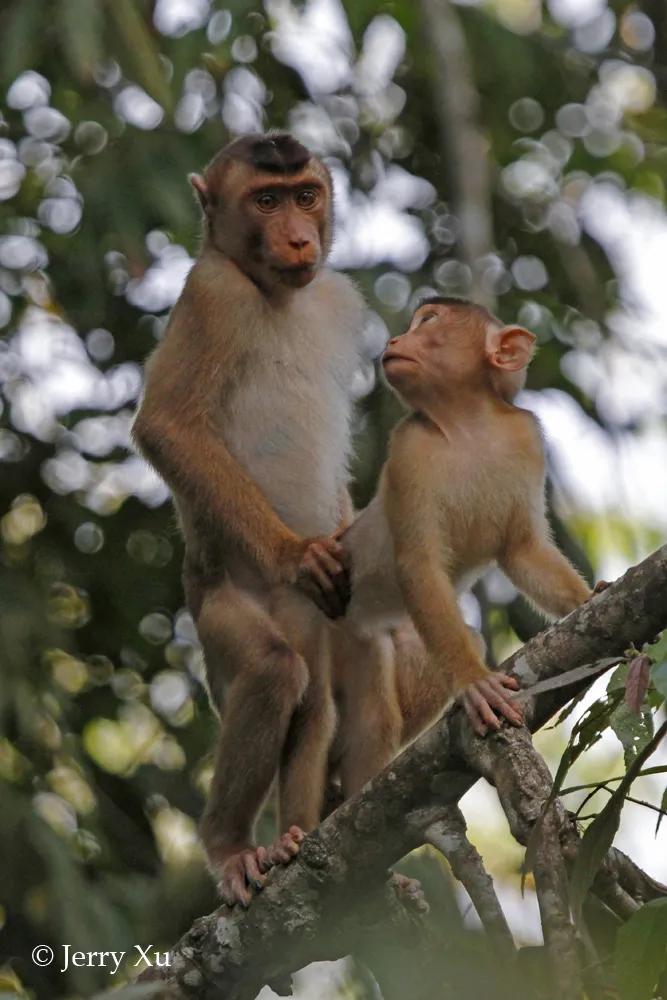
[104,109]
[641,955]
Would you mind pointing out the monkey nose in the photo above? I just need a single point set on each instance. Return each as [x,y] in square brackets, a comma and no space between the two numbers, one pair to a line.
[299,244]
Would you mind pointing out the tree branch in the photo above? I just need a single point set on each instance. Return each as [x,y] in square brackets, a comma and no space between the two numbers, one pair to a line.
[233,953]
[448,835]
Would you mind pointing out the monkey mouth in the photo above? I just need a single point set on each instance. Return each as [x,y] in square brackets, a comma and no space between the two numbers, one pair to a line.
[396,357]
[297,274]
[299,266]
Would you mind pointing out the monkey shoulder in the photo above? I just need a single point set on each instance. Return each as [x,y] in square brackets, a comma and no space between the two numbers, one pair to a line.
[216,285]
[413,452]
[528,433]
[342,299]
[338,283]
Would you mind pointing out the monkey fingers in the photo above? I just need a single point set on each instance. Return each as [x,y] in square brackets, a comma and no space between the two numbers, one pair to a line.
[330,558]
[328,603]
[479,700]
[334,568]
[324,580]
[241,871]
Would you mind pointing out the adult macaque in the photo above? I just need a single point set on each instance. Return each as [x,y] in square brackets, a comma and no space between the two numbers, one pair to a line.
[246,415]
[463,487]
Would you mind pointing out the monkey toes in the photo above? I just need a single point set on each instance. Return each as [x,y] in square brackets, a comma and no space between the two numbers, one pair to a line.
[245,871]
[242,872]
[286,847]
[409,892]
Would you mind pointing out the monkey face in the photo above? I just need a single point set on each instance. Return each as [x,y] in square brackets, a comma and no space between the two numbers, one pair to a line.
[267,206]
[287,221]
[281,227]
[438,352]
[453,347]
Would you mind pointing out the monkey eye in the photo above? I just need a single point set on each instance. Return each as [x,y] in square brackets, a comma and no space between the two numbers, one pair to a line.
[306,198]
[266,202]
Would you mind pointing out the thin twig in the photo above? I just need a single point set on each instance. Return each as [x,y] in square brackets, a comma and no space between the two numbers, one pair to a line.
[448,835]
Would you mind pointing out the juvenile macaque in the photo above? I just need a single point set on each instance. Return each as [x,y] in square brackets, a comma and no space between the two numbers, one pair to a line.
[246,415]
[463,487]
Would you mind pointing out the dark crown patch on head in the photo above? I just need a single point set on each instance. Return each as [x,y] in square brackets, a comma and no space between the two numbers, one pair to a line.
[446,300]
[277,153]
[280,153]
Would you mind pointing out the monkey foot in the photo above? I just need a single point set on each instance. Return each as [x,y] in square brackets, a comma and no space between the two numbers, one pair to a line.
[245,871]
[409,892]
[242,872]
[600,586]
[286,847]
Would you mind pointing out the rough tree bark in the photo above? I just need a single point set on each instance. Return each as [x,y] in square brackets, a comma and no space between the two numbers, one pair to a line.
[305,914]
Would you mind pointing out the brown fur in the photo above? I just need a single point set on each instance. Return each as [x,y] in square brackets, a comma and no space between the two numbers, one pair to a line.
[246,415]
[463,487]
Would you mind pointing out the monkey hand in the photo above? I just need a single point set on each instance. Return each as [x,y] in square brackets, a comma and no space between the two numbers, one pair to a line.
[480,698]
[323,574]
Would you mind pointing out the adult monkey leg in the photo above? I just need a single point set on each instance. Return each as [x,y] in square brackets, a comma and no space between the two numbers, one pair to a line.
[304,760]
[263,678]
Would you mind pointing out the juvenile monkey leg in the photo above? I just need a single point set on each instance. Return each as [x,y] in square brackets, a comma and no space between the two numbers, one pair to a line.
[371,718]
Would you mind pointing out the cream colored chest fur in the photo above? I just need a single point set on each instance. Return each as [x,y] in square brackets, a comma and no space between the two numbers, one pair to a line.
[288,420]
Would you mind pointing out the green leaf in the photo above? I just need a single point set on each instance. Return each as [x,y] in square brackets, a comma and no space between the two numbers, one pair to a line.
[663,806]
[595,843]
[641,951]
[569,708]
[634,731]
[586,731]
[659,648]
[659,678]
[599,836]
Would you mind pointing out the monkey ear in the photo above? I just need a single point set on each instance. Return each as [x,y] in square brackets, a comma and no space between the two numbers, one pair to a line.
[200,186]
[510,348]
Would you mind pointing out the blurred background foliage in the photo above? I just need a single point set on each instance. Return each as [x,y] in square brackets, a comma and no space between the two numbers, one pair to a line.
[509,149]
